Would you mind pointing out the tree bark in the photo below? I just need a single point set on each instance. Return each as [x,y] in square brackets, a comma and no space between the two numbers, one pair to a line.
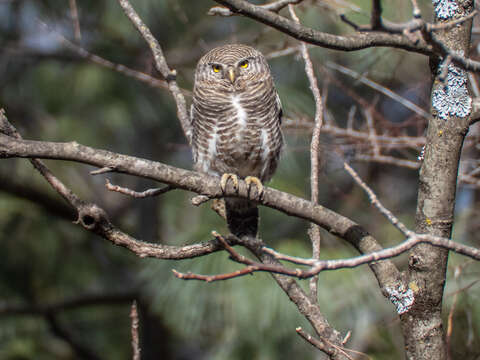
[422,325]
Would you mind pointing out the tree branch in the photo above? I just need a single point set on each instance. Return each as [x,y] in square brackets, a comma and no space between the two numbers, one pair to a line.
[162,66]
[181,179]
[275,6]
[308,35]
[314,231]
[134,331]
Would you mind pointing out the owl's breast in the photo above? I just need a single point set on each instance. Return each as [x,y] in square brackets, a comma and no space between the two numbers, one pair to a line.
[238,132]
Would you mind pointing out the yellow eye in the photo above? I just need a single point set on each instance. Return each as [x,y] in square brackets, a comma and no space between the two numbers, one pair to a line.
[244,64]
[216,68]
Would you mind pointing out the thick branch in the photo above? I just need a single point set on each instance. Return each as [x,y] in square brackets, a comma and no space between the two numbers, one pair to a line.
[94,218]
[346,43]
[182,179]
[422,325]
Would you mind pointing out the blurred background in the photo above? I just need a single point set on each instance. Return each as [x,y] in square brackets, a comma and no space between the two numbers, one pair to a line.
[66,294]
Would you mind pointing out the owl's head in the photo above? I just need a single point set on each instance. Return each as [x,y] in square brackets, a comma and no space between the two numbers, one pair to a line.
[232,66]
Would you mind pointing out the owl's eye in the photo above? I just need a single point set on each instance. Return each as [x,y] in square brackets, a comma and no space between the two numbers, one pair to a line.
[244,64]
[216,68]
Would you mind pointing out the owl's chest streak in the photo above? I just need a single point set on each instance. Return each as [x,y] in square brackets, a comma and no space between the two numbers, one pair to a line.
[239,138]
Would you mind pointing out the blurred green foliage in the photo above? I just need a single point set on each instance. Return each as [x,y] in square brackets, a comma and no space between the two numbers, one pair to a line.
[50,93]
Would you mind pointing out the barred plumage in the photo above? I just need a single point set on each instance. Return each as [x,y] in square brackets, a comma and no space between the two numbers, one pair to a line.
[236,115]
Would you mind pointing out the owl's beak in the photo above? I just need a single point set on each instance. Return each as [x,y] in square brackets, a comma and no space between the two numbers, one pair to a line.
[231,75]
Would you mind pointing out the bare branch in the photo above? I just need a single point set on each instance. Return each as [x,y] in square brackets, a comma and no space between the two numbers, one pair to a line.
[182,179]
[374,200]
[103,170]
[402,39]
[76,22]
[408,104]
[314,232]
[60,188]
[162,67]
[383,159]
[134,331]
[94,218]
[309,338]
[319,344]
[211,278]
[413,142]
[309,35]
[122,69]
[372,132]
[318,266]
[135,194]
[275,6]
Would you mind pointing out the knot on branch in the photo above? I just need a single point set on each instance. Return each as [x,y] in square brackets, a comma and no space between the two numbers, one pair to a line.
[172,75]
[91,217]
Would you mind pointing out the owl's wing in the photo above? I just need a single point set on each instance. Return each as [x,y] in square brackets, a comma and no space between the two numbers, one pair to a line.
[191,114]
[279,108]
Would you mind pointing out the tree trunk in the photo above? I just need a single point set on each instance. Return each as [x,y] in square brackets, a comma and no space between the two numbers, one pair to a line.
[451,107]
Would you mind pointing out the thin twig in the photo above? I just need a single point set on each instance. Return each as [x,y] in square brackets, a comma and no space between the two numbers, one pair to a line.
[309,338]
[409,243]
[162,67]
[314,232]
[451,23]
[284,52]
[320,344]
[275,6]
[401,100]
[134,331]
[61,189]
[374,200]
[135,194]
[75,20]
[384,159]
[316,266]
[413,142]
[98,60]
[211,278]
[103,170]
[372,132]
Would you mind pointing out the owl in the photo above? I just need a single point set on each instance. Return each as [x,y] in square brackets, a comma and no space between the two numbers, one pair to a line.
[236,116]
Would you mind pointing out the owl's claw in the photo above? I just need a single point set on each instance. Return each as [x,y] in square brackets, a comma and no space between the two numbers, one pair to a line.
[258,183]
[224,181]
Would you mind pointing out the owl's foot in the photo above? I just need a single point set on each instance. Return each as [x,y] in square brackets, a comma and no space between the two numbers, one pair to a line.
[224,181]
[258,183]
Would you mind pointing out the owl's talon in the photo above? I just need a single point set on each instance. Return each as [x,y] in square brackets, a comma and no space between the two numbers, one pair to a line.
[258,183]
[224,181]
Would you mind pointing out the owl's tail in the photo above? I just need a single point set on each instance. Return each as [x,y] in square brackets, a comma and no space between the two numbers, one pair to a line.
[242,217]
